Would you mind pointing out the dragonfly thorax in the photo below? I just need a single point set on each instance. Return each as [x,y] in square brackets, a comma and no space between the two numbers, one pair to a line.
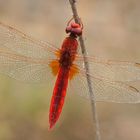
[65,59]
[68,52]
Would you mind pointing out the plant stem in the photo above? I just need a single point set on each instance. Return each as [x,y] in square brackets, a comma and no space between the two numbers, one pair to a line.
[84,53]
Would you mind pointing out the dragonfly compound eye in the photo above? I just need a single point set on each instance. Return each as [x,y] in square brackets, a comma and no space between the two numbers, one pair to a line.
[74,28]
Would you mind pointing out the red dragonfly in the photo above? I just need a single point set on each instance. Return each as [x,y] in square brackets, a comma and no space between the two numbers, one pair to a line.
[26,59]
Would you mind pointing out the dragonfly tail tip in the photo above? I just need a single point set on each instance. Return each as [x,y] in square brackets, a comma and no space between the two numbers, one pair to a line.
[51,126]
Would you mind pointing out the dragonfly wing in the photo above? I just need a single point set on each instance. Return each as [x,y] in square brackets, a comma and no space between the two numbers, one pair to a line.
[104,90]
[23,58]
[24,68]
[19,43]
[112,70]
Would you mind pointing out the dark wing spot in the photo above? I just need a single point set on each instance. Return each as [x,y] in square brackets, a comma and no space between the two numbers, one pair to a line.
[134,89]
[137,65]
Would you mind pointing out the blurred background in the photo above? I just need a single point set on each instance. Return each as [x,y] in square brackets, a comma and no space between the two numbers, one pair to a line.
[111,30]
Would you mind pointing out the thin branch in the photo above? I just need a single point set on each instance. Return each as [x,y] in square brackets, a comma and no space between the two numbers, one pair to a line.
[84,53]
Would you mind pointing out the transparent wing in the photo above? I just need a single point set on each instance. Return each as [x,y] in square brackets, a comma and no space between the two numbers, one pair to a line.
[19,43]
[23,58]
[112,70]
[104,90]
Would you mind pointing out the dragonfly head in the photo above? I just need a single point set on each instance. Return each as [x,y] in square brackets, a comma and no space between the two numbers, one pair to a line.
[74,28]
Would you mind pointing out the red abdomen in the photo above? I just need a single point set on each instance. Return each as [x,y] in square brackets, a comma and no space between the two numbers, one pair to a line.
[59,94]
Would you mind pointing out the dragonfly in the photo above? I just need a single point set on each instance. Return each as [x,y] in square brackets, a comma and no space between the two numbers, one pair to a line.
[29,60]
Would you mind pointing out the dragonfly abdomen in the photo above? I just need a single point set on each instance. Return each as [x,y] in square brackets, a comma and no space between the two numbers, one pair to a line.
[59,94]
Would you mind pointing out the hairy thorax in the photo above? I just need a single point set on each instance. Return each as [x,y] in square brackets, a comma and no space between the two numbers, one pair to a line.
[68,52]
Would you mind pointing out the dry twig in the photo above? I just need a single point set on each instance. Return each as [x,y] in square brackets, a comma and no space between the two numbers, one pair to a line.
[84,53]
